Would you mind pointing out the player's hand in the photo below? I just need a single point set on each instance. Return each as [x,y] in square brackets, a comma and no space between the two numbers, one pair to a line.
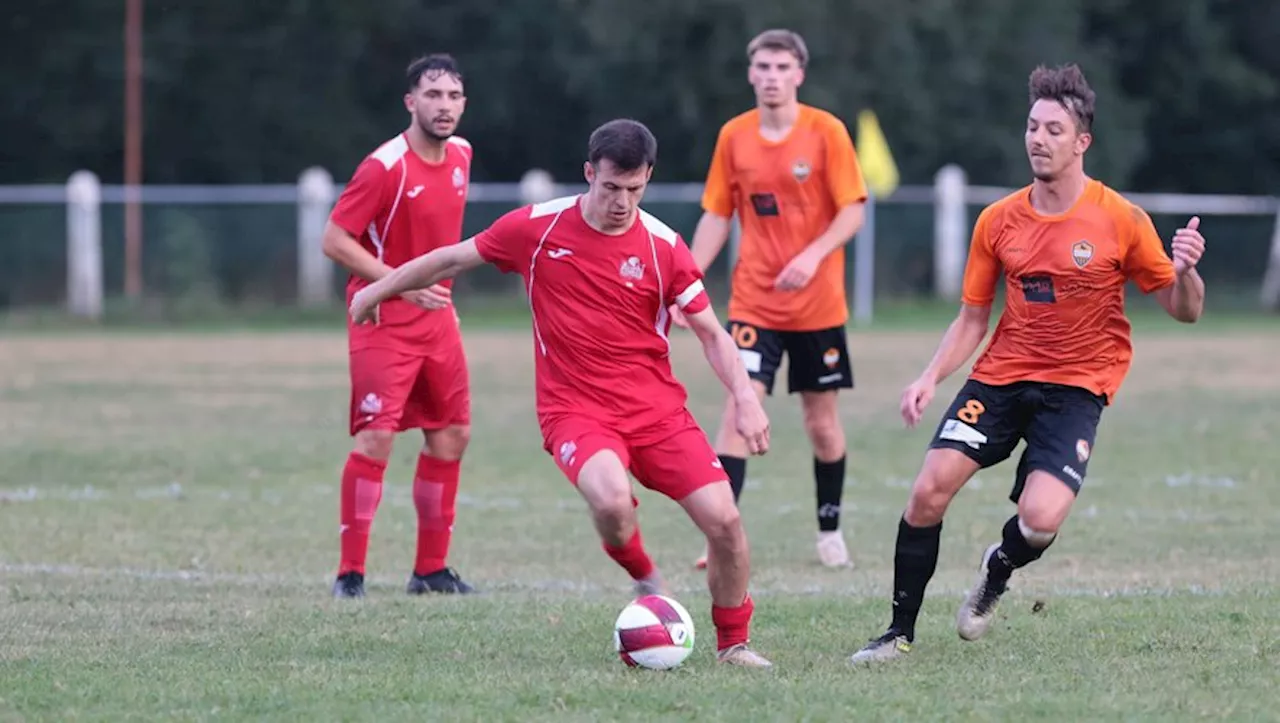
[363,306]
[677,317]
[798,272]
[914,400]
[431,299]
[752,424]
[1188,246]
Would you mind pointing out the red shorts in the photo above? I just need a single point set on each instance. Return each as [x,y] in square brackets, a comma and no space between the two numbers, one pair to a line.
[396,391]
[676,465]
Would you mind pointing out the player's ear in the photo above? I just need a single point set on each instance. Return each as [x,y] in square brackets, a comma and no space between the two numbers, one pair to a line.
[1083,141]
[408,102]
[648,174]
[588,172]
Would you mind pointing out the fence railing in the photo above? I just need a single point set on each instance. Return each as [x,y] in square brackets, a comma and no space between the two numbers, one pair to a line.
[951,198]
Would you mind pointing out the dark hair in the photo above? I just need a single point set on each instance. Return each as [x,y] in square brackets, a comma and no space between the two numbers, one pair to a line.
[1065,85]
[432,66]
[625,142]
[777,39]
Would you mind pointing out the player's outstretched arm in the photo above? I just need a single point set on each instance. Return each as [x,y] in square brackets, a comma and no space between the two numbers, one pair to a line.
[724,358]
[1184,300]
[959,343]
[443,263]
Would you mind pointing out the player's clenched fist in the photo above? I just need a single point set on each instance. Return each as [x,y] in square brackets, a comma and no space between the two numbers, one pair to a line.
[914,400]
[753,424]
[1188,246]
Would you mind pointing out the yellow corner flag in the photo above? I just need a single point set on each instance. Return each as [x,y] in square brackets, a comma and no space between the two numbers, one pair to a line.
[878,168]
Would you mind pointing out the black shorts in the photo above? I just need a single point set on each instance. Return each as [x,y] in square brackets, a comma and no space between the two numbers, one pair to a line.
[818,361]
[1058,422]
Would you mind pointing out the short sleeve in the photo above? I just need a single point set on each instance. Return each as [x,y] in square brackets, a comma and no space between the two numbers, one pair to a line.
[717,193]
[982,269]
[506,244]
[1145,260]
[362,199]
[686,289]
[844,174]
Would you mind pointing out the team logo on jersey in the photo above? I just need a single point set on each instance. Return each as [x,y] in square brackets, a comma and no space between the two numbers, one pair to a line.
[459,178]
[632,268]
[831,358]
[1081,253]
[765,204]
[801,170]
[1082,450]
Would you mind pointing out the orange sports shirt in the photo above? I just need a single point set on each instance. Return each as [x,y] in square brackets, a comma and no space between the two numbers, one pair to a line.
[786,195]
[1064,320]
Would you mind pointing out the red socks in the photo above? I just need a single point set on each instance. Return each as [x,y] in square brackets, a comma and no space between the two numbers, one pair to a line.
[632,557]
[361,493]
[732,624]
[435,493]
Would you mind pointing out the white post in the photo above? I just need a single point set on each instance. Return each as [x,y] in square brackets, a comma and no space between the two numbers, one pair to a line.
[315,272]
[950,236]
[864,265]
[1271,282]
[536,186]
[84,245]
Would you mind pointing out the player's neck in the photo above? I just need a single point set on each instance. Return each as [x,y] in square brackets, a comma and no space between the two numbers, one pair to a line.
[777,121]
[431,150]
[1057,196]
[596,219]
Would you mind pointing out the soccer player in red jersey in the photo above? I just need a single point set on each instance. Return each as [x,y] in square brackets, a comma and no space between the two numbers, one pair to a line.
[408,368]
[600,274]
[1066,245]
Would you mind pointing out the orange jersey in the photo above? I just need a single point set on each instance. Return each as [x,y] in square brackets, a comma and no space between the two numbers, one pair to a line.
[786,194]
[1064,319]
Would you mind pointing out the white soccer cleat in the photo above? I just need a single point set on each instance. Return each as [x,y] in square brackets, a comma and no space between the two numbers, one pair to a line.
[973,620]
[743,656]
[832,551]
[888,647]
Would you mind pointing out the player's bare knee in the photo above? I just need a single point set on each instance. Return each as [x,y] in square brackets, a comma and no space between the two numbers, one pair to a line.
[449,443]
[1039,524]
[724,529]
[929,500]
[375,443]
[826,435]
[615,520]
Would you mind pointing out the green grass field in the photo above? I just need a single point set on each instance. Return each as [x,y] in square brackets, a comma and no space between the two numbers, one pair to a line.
[168,532]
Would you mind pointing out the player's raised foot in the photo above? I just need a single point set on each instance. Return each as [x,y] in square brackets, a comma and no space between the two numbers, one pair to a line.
[973,620]
[652,585]
[741,655]
[831,549]
[445,581]
[701,562]
[349,585]
[893,645]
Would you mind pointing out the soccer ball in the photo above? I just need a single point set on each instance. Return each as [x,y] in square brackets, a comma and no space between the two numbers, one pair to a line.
[653,632]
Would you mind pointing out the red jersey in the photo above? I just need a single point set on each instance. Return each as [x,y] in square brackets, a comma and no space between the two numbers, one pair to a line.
[599,306]
[400,207]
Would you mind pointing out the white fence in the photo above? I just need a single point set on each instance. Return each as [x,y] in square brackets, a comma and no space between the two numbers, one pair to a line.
[314,194]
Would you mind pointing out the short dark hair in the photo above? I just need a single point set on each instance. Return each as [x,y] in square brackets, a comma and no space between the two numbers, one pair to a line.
[432,65]
[778,39]
[627,143]
[1066,86]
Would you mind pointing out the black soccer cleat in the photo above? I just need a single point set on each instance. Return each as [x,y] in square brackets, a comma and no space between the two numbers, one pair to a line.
[349,585]
[445,581]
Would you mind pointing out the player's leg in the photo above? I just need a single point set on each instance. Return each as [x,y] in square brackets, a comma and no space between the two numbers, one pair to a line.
[595,461]
[380,382]
[439,405]
[761,352]
[818,368]
[1060,439]
[980,429]
[683,467]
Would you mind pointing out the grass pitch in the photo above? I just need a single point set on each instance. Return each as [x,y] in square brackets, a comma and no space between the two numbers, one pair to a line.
[168,533]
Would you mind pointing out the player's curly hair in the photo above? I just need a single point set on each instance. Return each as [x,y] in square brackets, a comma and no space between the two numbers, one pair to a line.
[1066,86]
[432,66]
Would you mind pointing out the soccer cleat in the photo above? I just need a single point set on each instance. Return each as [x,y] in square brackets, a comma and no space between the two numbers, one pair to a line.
[741,655]
[832,551]
[652,585]
[349,585]
[979,608]
[444,581]
[893,645]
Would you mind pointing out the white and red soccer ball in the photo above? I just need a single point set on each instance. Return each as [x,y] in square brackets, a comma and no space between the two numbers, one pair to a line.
[653,631]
